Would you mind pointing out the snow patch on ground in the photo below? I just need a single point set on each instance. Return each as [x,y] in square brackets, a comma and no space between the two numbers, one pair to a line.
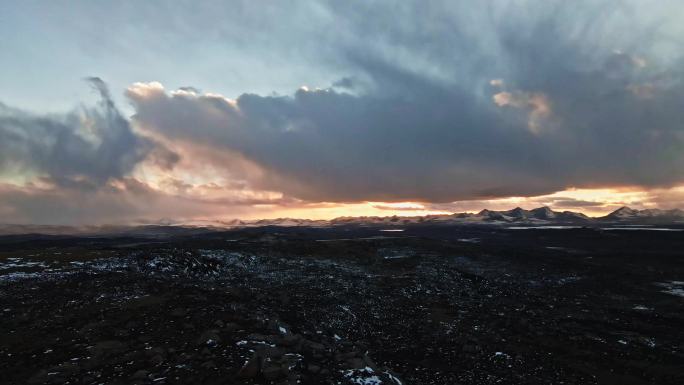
[672,287]
[368,376]
[640,228]
[20,263]
[365,376]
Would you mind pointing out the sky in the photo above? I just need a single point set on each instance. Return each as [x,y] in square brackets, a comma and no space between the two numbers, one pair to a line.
[136,112]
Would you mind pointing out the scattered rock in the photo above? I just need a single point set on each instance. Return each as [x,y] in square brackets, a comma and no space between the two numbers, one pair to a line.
[140,374]
[251,368]
[272,372]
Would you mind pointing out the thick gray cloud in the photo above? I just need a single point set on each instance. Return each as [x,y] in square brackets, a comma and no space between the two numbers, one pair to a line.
[85,148]
[570,202]
[449,101]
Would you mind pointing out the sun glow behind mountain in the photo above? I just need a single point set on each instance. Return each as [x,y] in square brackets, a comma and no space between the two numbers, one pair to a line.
[592,202]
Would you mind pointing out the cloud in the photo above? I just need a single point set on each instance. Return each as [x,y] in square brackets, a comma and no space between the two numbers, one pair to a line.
[85,147]
[537,104]
[128,200]
[574,203]
[451,101]
[427,123]
[399,206]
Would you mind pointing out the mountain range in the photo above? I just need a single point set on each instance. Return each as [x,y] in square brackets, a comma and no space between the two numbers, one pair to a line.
[542,216]
[539,216]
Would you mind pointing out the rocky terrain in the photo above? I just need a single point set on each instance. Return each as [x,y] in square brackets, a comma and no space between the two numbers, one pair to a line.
[345,305]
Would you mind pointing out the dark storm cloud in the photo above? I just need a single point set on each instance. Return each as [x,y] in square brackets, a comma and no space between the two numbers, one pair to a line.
[85,148]
[569,202]
[469,101]
[397,208]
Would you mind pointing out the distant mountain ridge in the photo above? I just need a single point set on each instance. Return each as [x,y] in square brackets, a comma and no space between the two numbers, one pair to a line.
[538,216]
[541,216]
[626,214]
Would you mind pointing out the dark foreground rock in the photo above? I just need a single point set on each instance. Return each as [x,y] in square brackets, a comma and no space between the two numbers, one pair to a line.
[472,307]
